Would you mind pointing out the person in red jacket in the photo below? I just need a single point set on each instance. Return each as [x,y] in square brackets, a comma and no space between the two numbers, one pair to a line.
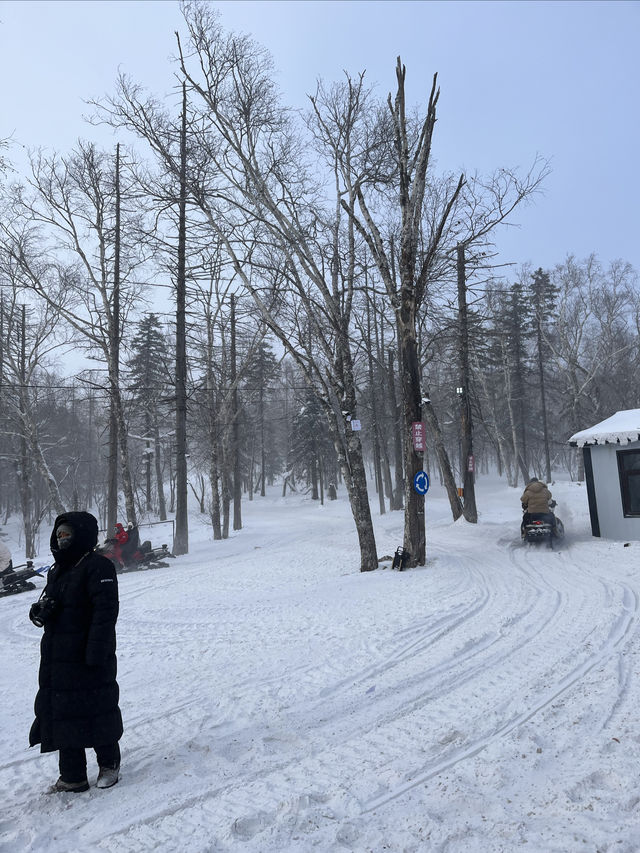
[119,542]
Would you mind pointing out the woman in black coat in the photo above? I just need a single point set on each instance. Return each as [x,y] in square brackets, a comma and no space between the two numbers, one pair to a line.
[77,701]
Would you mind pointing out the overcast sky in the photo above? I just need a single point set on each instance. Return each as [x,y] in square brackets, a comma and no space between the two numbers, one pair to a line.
[559,79]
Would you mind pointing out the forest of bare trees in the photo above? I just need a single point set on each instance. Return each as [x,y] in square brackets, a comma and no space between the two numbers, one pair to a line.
[245,286]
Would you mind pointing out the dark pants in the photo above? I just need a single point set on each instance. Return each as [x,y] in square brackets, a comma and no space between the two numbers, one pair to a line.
[549,517]
[73,761]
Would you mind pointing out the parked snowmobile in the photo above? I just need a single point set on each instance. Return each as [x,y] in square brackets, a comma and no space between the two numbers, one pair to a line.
[127,553]
[540,527]
[14,580]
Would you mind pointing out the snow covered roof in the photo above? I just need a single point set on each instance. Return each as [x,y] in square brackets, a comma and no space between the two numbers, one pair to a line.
[619,428]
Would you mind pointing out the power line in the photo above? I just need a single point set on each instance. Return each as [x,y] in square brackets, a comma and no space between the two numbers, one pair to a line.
[217,389]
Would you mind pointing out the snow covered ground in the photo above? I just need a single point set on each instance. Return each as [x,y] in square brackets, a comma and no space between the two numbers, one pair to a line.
[275,699]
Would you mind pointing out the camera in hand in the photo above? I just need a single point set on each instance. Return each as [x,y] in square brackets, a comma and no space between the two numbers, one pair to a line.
[42,610]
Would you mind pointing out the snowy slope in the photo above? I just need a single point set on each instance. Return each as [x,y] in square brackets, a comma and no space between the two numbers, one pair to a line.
[275,699]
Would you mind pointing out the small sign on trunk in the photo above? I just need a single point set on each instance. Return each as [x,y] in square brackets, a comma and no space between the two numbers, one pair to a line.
[418,436]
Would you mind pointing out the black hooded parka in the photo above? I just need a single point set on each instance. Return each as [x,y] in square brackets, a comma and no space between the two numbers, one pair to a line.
[77,700]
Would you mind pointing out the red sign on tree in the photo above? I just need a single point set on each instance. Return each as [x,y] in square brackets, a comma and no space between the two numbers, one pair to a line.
[418,436]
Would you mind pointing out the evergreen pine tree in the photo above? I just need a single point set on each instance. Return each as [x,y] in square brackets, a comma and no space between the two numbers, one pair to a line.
[517,323]
[259,374]
[544,295]
[149,379]
[311,451]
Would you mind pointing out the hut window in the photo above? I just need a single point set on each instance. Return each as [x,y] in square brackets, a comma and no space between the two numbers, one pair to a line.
[629,471]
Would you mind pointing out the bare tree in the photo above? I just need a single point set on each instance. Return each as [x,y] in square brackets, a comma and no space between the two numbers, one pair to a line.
[255,198]
[30,336]
[433,219]
[181,540]
[70,214]
[394,157]
[592,337]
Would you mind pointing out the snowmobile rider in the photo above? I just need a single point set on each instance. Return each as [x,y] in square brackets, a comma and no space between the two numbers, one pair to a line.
[536,500]
[77,702]
[120,540]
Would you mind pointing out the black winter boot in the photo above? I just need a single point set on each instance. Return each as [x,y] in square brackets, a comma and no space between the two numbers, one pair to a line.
[62,787]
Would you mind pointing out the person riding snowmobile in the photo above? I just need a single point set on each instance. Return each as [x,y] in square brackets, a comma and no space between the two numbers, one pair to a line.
[125,549]
[537,501]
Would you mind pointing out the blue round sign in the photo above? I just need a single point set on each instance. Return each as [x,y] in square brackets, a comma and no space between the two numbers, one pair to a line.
[421,482]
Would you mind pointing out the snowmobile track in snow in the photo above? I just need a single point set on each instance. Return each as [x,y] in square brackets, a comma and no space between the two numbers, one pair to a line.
[460,654]
[276,719]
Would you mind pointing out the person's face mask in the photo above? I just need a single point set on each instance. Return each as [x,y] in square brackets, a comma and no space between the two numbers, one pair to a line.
[64,537]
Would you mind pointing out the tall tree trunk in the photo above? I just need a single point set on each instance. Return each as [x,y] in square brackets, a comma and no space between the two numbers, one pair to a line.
[26,491]
[263,461]
[147,460]
[349,452]
[181,542]
[227,491]
[414,529]
[384,450]
[235,427]
[253,484]
[24,479]
[543,401]
[397,435]
[517,456]
[112,468]
[444,464]
[313,471]
[90,475]
[518,387]
[121,440]
[172,485]
[374,414]
[353,467]
[162,506]
[123,443]
[214,465]
[469,509]
[214,476]
[114,372]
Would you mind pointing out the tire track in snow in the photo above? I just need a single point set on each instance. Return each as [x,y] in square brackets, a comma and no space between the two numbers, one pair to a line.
[574,584]
[228,812]
[423,641]
[616,638]
[274,793]
[250,693]
[270,790]
[389,745]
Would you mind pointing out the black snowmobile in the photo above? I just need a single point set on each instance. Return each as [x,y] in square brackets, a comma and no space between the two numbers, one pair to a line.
[538,527]
[14,580]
